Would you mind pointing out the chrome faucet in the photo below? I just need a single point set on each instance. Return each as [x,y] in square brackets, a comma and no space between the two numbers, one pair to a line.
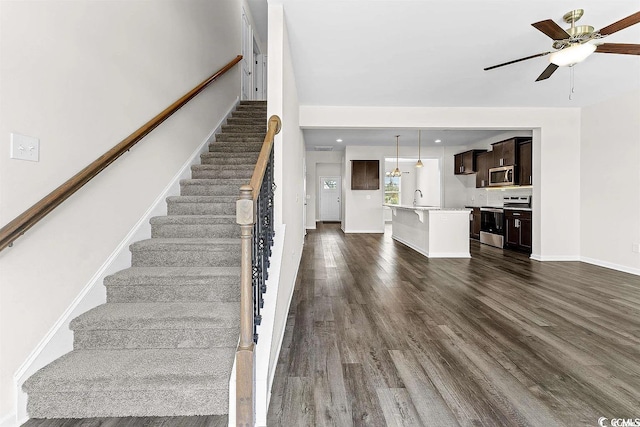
[415,200]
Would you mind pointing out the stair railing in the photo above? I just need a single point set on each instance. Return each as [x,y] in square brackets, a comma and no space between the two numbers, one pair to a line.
[35,213]
[254,213]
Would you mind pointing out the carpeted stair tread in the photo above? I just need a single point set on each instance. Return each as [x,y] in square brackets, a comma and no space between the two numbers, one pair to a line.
[186,252]
[247,144]
[193,219]
[188,226]
[202,205]
[211,187]
[245,128]
[160,275]
[193,243]
[139,369]
[162,315]
[203,199]
[215,158]
[239,137]
[236,147]
[171,284]
[215,171]
[245,121]
[215,181]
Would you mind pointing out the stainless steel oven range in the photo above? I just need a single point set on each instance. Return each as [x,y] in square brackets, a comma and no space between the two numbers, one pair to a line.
[492,226]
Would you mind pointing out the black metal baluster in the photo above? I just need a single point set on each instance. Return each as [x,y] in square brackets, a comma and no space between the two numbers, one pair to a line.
[263,234]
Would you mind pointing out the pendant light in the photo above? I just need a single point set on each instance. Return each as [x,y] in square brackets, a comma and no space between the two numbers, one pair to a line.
[396,171]
[419,164]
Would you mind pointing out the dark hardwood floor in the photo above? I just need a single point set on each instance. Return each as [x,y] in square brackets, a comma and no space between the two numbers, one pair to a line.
[380,335]
[201,421]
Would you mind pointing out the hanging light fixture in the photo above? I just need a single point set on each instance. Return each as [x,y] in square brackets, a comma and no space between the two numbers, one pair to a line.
[396,171]
[419,164]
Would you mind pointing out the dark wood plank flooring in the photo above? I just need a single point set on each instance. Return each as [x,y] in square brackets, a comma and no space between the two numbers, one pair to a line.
[380,335]
[199,421]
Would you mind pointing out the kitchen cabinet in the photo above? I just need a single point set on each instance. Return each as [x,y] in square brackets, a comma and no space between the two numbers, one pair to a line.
[474,223]
[517,225]
[505,153]
[483,163]
[525,165]
[465,163]
[365,174]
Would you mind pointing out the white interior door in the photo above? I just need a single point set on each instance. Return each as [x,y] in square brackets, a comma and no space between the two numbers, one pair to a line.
[260,77]
[247,58]
[330,188]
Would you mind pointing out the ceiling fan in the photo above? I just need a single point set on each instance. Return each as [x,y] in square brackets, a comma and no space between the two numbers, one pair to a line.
[578,42]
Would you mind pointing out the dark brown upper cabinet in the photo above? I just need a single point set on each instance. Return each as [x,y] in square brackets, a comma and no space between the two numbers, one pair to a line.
[465,163]
[525,166]
[483,163]
[505,153]
[365,174]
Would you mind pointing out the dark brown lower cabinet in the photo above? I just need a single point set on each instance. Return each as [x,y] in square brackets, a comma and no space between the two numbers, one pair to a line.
[517,226]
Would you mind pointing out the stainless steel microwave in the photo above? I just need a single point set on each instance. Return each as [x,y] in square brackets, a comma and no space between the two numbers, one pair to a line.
[504,175]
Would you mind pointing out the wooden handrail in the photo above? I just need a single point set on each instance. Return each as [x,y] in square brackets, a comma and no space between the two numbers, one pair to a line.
[273,128]
[35,213]
[246,218]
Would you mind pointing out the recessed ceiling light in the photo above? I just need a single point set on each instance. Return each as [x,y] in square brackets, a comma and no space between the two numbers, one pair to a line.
[438,141]
[338,140]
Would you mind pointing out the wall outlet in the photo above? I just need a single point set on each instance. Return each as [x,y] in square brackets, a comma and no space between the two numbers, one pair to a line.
[635,247]
[24,148]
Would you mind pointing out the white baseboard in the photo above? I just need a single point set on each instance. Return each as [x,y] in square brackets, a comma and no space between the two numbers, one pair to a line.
[612,266]
[379,231]
[59,339]
[539,257]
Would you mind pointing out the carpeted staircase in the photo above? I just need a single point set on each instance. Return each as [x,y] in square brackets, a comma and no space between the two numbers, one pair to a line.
[165,341]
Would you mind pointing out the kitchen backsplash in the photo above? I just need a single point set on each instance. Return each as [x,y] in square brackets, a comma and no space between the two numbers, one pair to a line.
[483,197]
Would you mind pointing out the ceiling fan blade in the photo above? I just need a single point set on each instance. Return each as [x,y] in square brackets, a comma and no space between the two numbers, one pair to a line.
[517,60]
[547,72]
[551,29]
[622,48]
[621,24]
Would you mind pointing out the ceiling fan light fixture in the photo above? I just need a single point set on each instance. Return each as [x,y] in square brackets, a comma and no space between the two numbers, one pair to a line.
[572,55]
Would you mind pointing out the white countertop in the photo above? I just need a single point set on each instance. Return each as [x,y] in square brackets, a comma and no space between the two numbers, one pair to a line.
[427,208]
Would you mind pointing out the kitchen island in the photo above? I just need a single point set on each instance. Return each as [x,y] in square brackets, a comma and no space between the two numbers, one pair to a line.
[433,232]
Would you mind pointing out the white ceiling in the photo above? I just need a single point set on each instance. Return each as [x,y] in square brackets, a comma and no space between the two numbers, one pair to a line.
[431,53]
[386,137]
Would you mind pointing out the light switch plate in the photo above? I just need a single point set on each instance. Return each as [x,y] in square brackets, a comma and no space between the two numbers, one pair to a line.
[24,148]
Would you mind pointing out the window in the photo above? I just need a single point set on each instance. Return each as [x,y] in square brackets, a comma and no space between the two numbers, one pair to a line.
[392,190]
[330,184]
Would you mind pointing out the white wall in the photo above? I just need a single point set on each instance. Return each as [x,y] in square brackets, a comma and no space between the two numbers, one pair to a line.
[363,208]
[556,145]
[81,76]
[610,183]
[428,180]
[289,177]
[313,159]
